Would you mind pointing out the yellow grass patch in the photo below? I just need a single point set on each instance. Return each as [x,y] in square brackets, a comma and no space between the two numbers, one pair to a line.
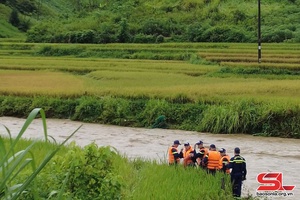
[39,82]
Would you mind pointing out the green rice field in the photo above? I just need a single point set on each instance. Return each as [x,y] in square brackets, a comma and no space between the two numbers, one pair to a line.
[211,74]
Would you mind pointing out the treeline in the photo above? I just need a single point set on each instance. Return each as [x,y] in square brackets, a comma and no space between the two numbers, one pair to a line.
[241,116]
[141,21]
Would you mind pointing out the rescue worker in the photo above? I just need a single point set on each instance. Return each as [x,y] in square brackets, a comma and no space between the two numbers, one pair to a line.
[198,156]
[188,154]
[237,164]
[174,154]
[224,161]
[212,159]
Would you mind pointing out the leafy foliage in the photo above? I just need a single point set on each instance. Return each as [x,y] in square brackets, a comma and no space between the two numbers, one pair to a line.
[100,21]
[86,173]
[240,116]
[12,163]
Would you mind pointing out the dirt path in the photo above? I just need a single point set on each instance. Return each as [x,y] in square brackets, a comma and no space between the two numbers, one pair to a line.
[262,154]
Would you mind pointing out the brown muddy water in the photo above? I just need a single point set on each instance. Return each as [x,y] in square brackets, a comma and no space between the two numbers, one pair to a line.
[261,153]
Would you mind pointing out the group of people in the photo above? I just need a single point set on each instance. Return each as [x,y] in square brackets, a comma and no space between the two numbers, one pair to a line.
[211,160]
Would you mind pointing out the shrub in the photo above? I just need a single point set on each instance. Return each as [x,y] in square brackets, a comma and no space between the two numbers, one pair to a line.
[14,18]
[159,39]
[154,108]
[194,32]
[277,35]
[88,110]
[115,111]
[224,34]
[141,38]
[14,164]
[86,173]
[152,27]
[14,106]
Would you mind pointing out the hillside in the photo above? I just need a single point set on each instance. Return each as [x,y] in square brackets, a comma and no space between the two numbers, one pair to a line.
[143,21]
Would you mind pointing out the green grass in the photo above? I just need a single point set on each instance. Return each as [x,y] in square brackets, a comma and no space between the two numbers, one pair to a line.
[14,162]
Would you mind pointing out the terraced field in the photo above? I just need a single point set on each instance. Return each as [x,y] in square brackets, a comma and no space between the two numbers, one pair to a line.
[230,90]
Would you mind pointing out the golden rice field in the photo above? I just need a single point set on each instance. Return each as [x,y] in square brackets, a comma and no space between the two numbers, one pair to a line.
[25,72]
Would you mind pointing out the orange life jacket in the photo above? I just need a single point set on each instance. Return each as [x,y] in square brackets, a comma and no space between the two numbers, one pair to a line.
[214,158]
[205,152]
[187,160]
[224,161]
[171,155]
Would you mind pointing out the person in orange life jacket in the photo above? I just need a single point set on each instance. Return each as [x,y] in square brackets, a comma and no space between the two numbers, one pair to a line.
[212,160]
[174,155]
[224,161]
[188,154]
[198,156]
[238,173]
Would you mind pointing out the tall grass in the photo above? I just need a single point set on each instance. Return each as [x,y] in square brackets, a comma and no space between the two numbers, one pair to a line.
[177,182]
[13,163]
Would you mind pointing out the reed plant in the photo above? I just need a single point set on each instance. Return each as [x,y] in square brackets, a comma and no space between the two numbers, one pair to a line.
[13,163]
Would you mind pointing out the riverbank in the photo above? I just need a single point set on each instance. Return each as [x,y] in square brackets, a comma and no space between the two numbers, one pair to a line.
[263,154]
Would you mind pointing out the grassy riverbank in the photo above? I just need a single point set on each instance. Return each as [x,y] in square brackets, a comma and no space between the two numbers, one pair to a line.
[36,169]
[99,173]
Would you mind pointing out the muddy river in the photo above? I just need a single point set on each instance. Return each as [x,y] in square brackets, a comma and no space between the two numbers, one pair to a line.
[261,153]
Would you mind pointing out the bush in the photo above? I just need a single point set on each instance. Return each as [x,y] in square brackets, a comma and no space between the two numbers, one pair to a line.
[26,6]
[194,32]
[152,27]
[141,38]
[85,36]
[59,51]
[277,36]
[159,39]
[106,34]
[154,108]
[14,18]
[88,173]
[115,111]
[81,173]
[88,110]
[224,34]
[40,33]
[14,106]
[244,116]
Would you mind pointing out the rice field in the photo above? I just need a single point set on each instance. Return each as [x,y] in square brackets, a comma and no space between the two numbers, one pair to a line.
[196,71]
[207,87]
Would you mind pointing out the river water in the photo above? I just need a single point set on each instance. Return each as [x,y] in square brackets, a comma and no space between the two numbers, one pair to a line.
[262,154]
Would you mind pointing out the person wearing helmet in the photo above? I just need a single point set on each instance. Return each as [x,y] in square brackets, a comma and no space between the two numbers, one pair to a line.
[188,154]
[174,154]
[238,173]
[199,153]
[212,160]
[224,161]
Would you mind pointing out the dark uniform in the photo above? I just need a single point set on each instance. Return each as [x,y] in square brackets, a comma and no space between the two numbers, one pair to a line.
[198,156]
[238,172]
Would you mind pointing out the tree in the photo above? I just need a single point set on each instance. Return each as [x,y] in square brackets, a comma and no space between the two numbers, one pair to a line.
[14,18]
[123,35]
